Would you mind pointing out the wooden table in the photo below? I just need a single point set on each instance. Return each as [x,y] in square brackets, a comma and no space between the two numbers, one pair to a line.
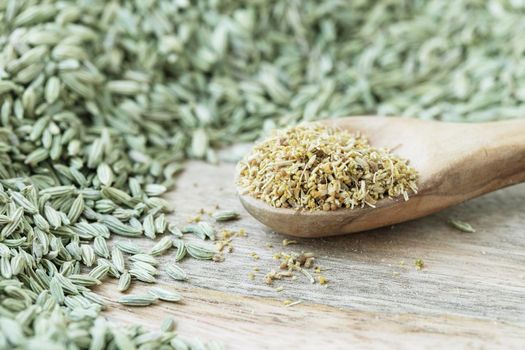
[470,294]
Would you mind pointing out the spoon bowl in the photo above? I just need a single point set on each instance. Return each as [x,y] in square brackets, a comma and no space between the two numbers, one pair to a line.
[455,162]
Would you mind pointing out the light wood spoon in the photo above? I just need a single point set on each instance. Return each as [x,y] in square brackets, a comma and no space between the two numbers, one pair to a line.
[455,161]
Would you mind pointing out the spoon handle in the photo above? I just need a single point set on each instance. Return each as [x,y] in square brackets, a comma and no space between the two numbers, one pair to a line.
[511,149]
[457,162]
[492,156]
[506,155]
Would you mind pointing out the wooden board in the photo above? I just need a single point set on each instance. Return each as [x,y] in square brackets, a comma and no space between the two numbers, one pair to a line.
[471,293]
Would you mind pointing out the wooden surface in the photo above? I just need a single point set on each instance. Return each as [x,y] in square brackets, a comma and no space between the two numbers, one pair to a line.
[470,294]
[455,162]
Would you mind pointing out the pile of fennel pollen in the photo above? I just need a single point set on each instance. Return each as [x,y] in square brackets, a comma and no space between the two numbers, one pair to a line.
[318,167]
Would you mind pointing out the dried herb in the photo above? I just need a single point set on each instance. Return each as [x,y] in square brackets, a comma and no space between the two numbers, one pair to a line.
[320,168]
[419,264]
[290,262]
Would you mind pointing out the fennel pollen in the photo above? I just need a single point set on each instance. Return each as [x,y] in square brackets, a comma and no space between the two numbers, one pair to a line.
[316,167]
[419,264]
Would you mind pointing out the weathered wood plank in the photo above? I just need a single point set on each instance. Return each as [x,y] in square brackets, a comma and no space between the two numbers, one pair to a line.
[263,323]
[478,277]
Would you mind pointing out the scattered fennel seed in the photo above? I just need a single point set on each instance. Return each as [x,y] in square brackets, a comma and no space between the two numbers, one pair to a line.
[176,273]
[225,215]
[165,295]
[168,325]
[137,300]
[461,226]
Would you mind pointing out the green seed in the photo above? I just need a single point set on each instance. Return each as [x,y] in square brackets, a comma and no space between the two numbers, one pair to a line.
[128,247]
[176,273]
[148,259]
[137,300]
[461,226]
[124,282]
[76,209]
[162,246]
[199,251]
[226,215]
[165,295]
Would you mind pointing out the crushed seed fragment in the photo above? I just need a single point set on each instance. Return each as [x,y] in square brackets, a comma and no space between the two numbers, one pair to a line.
[290,303]
[287,242]
[322,280]
[419,264]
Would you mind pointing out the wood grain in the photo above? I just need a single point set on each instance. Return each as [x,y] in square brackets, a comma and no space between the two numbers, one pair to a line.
[469,295]
[262,323]
[455,162]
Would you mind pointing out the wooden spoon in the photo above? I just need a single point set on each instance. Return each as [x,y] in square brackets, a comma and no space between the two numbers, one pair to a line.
[455,161]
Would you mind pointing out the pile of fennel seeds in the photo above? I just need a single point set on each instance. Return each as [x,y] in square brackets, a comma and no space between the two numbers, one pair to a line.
[137,86]
[316,167]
